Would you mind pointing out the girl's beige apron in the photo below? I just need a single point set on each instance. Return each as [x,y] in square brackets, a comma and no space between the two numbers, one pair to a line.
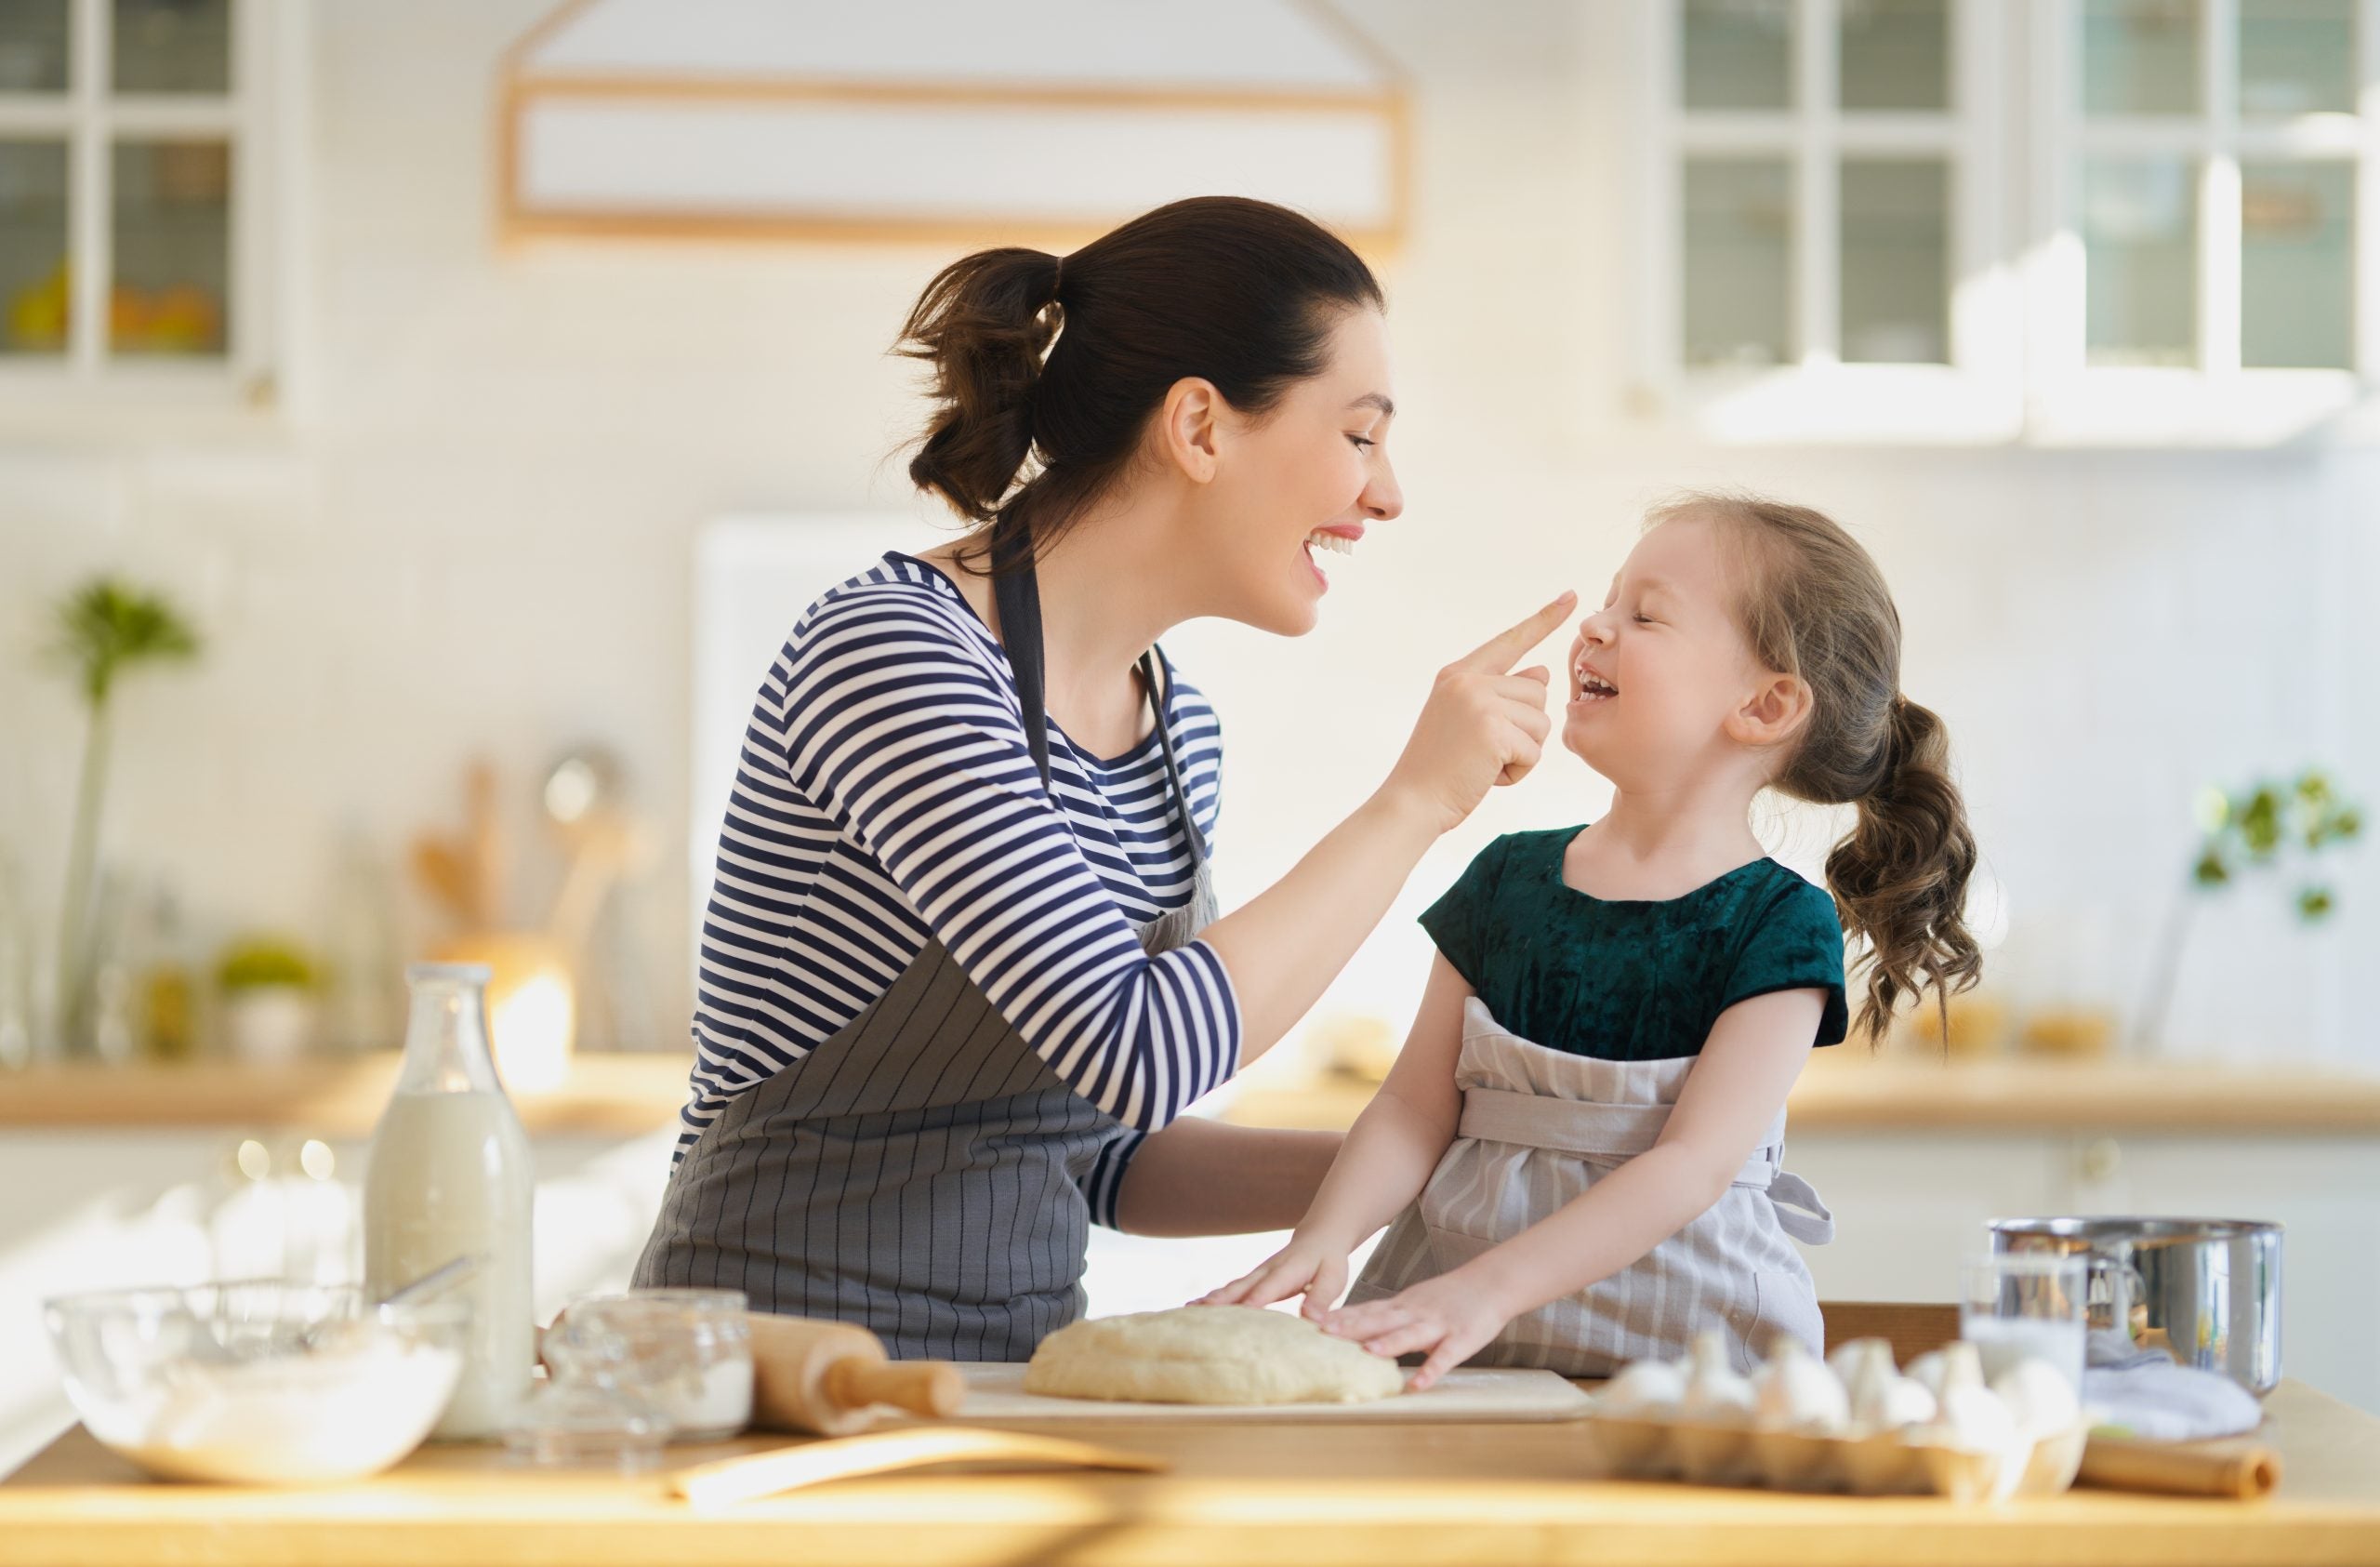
[1538,1127]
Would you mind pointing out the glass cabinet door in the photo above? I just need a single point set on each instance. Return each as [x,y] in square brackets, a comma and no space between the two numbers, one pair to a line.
[2296,264]
[1894,55]
[1895,249]
[1736,54]
[171,47]
[2140,261]
[170,236]
[1739,262]
[2141,57]
[125,223]
[33,284]
[169,221]
[34,38]
[2296,56]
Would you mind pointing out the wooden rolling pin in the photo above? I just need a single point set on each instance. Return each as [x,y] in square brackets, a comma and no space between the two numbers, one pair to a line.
[830,1377]
[813,1462]
[2240,1469]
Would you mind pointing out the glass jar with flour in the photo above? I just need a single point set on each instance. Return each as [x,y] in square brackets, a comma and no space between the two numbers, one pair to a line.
[450,1176]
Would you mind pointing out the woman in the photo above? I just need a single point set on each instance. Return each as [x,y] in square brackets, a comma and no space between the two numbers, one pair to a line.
[960,970]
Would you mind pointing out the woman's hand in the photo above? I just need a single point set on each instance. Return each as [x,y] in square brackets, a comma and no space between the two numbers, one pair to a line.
[1451,1317]
[1313,1269]
[1483,725]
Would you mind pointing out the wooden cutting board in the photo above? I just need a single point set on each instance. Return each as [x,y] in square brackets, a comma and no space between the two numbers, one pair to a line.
[996,1391]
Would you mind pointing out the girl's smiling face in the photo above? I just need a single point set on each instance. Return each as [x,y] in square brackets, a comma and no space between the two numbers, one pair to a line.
[1661,678]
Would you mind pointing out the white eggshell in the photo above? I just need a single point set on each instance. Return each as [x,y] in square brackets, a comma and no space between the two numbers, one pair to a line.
[1926,1371]
[1882,1400]
[1713,1392]
[1972,1419]
[1794,1391]
[1846,1358]
[1646,1387]
[2038,1398]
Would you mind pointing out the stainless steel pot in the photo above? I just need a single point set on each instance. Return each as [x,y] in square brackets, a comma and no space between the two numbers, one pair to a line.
[2205,1290]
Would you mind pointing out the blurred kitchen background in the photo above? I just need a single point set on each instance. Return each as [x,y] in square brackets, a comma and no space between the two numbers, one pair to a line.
[420,421]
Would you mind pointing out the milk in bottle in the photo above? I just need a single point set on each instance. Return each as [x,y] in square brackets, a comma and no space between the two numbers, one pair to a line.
[449,1176]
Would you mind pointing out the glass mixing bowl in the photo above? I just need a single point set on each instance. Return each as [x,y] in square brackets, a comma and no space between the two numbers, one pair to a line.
[256,1381]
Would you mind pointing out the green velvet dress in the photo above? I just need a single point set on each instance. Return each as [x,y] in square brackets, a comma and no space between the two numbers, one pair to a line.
[1632,979]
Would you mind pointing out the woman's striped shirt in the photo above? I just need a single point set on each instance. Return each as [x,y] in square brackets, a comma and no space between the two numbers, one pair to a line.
[886,796]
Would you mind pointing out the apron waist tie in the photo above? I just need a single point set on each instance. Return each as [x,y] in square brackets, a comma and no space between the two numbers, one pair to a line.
[1611,1134]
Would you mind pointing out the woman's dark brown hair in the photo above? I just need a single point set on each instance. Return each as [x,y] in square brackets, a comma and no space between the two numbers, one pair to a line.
[1813,606]
[1242,293]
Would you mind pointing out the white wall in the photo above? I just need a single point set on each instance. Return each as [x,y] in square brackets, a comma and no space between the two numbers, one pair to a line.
[477,538]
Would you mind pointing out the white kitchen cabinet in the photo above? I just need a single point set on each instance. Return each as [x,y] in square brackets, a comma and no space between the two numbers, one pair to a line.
[1909,1208]
[2066,221]
[150,158]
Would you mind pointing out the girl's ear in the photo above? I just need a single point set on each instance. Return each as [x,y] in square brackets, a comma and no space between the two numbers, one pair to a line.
[1774,713]
[1189,427]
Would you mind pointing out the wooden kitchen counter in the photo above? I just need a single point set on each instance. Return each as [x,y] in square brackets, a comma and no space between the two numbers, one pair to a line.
[1365,1495]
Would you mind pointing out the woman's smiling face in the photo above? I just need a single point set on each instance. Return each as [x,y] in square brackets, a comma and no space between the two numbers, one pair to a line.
[1302,481]
[1657,674]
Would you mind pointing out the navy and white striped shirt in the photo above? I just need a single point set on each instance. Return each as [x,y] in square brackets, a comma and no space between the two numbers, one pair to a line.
[886,794]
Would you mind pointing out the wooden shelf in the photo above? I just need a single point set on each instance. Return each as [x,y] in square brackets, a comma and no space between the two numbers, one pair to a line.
[1847,1091]
[330,1097]
[627,1096]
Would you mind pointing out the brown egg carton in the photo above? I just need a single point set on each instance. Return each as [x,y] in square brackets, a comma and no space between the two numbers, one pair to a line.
[1636,1446]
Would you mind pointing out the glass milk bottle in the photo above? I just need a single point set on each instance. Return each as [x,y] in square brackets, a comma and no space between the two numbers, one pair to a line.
[450,1176]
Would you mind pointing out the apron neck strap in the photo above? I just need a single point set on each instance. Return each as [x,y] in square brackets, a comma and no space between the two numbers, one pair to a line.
[1158,695]
[1016,594]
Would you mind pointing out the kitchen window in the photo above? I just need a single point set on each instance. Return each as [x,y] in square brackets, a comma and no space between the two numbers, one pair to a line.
[136,179]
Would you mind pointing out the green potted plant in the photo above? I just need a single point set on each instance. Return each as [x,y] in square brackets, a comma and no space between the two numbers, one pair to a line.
[2268,828]
[268,985]
[102,631]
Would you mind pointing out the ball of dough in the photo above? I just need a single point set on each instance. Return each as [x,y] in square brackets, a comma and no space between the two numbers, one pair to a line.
[1209,1354]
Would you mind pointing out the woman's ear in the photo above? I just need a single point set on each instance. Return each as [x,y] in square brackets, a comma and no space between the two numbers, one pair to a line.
[1774,713]
[1189,427]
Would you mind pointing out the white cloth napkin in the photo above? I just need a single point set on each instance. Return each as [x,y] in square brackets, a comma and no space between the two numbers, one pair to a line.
[2155,1398]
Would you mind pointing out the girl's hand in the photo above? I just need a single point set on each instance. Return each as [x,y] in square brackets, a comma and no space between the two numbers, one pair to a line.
[1483,725]
[1308,1267]
[1450,1316]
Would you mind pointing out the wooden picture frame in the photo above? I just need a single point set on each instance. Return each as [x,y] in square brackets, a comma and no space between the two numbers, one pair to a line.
[535,102]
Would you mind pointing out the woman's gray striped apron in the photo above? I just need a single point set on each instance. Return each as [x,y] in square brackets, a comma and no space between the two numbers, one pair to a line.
[921,1173]
[1538,1127]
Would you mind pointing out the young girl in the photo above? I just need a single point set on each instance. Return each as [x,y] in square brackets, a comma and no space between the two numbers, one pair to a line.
[1590,1109]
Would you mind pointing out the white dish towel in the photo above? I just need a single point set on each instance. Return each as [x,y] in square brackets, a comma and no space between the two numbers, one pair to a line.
[2156,1399]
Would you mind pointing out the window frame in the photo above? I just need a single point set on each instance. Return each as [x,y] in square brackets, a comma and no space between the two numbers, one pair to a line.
[2017,139]
[91,118]
[1815,394]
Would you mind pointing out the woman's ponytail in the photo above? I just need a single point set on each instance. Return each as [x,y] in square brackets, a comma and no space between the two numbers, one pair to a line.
[1900,876]
[983,323]
[1065,360]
